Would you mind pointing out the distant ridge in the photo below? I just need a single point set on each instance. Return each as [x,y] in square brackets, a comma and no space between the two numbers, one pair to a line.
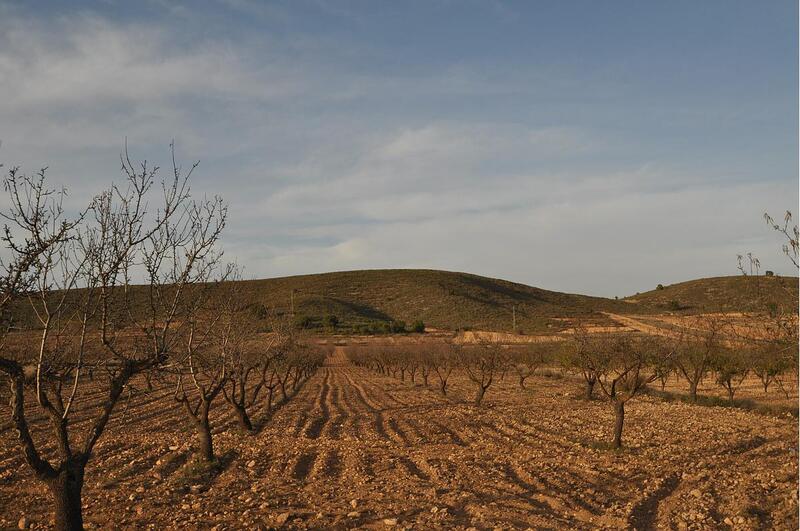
[370,300]
[455,300]
[729,294]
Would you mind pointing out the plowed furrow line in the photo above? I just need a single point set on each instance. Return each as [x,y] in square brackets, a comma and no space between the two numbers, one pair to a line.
[415,434]
[398,434]
[412,469]
[380,398]
[379,428]
[362,393]
[331,465]
[334,428]
[303,466]
[352,419]
[453,435]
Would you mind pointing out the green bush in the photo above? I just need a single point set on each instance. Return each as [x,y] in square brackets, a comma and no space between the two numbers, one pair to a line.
[418,327]
[330,321]
[259,311]
[303,321]
[397,327]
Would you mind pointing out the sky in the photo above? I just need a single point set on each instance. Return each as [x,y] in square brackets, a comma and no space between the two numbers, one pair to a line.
[580,146]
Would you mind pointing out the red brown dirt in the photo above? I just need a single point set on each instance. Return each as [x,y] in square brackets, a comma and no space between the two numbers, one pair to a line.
[357,450]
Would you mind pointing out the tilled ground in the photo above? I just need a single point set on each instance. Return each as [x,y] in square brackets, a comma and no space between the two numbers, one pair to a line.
[354,449]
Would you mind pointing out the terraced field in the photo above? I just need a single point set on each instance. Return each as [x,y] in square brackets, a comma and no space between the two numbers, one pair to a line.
[353,449]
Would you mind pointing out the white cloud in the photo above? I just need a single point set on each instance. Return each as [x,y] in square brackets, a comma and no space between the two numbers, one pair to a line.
[320,177]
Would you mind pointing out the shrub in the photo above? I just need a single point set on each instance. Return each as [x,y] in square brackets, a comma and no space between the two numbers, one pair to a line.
[773,309]
[674,305]
[259,311]
[660,287]
[397,327]
[303,321]
[418,327]
[330,321]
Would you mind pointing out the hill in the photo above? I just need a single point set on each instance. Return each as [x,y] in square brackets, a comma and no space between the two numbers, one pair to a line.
[441,299]
[372,301]
[730,294]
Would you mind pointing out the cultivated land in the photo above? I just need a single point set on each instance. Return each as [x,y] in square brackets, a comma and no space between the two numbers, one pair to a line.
[353,449]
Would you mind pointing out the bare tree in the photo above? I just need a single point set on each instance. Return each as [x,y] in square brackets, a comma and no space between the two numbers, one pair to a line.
[582,357]
[695,353]
[118,241]
[791,234]
[236,339]
[526,361]
[204,366]
[482,363]
[626,364]
[444,359]
[731,367]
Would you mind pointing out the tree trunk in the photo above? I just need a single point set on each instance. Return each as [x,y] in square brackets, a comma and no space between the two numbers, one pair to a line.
[206,452]
[589,390]
[425,379]
[242,417]
[480,391]
[66,491]
[522,382]
[619,413]
[443,388]
[693,390]
[283,391]
[730,393]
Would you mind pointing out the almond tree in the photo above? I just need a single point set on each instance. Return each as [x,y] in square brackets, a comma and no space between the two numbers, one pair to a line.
[695,353]
[246,357]
[582,357]
[778,334]
[204,367]
[444,360]
[767,365]
[731,368]
[625,365]
[108,328]
[526,362]
[482,364]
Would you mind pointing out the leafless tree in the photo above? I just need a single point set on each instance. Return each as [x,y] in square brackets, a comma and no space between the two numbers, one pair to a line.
[482,364]
[625,365]
[790,233]
[731,367]
[525,362]
[118,241]
[582,357]
[695,353]
[444,359]
[248,356]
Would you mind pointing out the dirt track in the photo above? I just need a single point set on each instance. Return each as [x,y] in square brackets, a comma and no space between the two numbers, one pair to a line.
[352,449]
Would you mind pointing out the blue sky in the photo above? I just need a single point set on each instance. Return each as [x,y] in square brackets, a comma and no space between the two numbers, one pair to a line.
[594,147]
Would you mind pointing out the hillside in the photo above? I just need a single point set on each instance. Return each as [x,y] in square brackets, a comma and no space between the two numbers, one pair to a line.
[440,299]
[735,293]
[370,300]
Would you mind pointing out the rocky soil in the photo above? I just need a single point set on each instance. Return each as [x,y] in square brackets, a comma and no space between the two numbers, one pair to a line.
[356,450]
